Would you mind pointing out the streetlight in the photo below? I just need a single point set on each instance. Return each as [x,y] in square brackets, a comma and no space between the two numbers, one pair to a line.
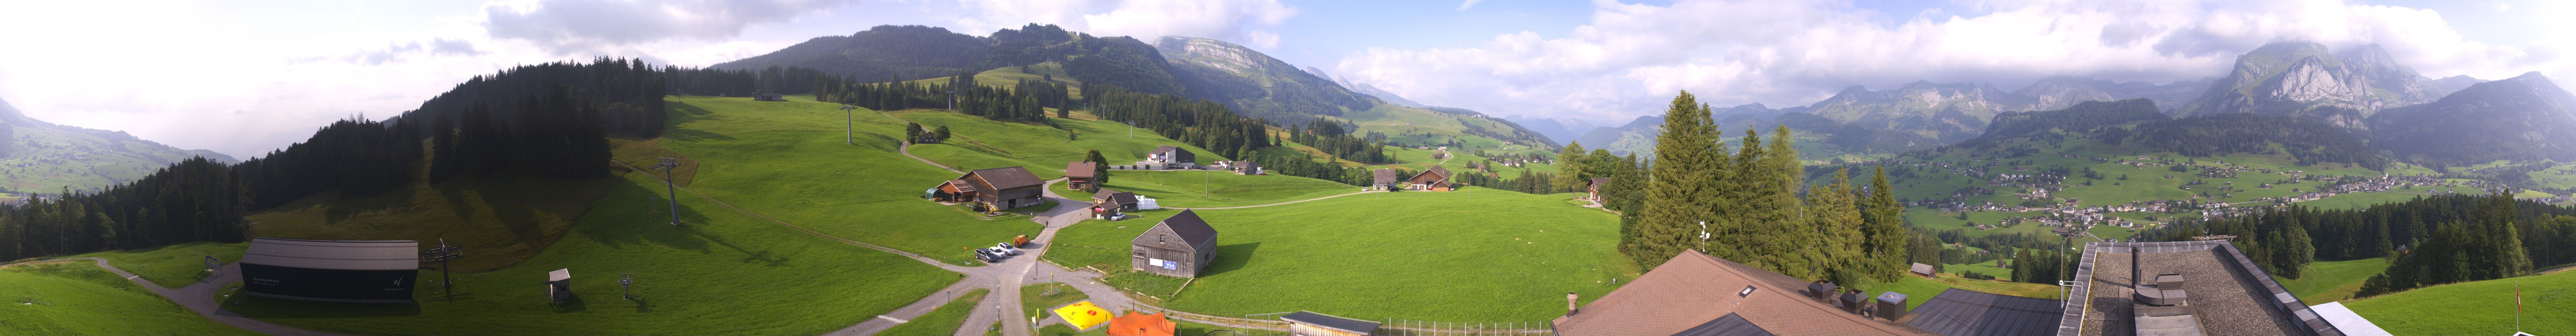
[665,167]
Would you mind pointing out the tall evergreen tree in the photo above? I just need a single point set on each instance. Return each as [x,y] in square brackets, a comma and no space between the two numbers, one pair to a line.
[1680,196]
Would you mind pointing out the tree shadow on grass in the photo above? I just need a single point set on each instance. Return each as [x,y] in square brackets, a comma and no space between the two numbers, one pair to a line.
[1231,257]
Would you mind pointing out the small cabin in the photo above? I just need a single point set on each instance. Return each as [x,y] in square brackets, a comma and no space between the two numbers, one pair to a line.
[1245,168]
[1436,179]
[1110,203]
[1180,246]
[1079,174]
[997,188]
[1308,323]
[559,285]
[1922,270]
[1386,179]
[1593,192]
[1168,154]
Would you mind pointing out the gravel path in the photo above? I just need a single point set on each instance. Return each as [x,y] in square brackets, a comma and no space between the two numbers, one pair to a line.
[200,297]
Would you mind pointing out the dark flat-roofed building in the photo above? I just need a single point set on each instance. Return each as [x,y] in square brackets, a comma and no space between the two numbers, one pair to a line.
[1174,155]
[1695,292]
[1960,312]
[1313,324]
[2228,293]
[359,271]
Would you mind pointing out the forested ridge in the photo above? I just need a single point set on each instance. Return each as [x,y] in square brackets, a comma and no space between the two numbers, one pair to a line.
[548,120]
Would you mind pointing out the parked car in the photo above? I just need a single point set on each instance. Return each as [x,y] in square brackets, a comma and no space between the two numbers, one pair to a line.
[986,256]
[997,252]
[1006,249]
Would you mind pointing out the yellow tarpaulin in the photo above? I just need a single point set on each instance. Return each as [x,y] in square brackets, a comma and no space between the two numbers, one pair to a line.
[1083,315]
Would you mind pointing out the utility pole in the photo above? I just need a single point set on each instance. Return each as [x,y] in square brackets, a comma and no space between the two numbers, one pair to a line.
[441,255]
[846,126]
[665,167]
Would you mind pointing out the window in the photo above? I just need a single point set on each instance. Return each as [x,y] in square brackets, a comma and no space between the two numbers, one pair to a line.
[1140,253]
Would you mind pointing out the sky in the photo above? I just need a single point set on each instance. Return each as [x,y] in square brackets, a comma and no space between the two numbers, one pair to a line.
[244,79]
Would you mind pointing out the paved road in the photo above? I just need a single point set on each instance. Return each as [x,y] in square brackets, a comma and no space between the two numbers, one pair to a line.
[1288,202]
[200,297]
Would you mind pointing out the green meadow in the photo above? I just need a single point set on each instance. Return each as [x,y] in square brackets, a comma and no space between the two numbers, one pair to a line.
[171,266]
[2547,304]
[2330,281]
[76,297]
[1208,188]
[943,321]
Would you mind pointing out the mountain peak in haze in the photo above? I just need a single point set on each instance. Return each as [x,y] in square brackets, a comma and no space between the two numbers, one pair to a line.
[2526,117]
[44,157]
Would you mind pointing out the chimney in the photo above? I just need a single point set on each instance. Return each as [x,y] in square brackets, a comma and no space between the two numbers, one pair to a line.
[1570,308]
[2134,273]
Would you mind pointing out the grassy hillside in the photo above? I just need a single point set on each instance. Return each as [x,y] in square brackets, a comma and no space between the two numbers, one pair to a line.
[786,160]
[723,268]
[1421,255]
[2476,308]
[941,321]
[1919,290]
[171,266]
[1423,127]
[79,298]
[1208,189]
[502,220]
[978,143]
[39,157]
[2329,281]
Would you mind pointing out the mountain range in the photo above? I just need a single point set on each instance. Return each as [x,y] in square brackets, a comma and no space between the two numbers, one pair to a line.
[1249,82]
[43,157]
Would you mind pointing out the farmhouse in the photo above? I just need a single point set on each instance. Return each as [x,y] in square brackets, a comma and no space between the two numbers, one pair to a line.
[1593,193]
[1168,154]
[1110,203]
[997,188]
[355,271]
[2139,289]
[1245,168]
[1385,179]
[1179,246]
[1078,174]
[1696,294]
[1436,179]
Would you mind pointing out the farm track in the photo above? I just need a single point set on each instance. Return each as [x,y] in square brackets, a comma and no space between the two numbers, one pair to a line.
[199,297]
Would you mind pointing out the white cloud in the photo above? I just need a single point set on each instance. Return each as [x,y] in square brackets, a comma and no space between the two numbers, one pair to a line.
[1462,6]
[1244,21]
[574,27]
[1632,57]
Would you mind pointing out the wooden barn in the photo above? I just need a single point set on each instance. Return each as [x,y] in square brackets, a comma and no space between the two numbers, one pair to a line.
[1245,168]
[1172,155]
[1436,179]
[1110,203]
[997,189]
[1386,180]
[1078,174]
[1180,246]
[1593,193]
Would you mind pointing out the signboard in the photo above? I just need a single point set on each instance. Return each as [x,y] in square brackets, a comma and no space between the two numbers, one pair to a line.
[214,264]
[1083,315]
[1165,264]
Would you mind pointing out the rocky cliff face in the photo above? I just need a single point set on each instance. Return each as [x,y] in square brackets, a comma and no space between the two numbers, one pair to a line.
[2306,80]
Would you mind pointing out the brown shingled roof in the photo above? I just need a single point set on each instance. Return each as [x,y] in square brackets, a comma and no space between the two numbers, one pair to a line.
[1006,177]
[1385,175]
[1191,231]
[1079,168]
[1693,289]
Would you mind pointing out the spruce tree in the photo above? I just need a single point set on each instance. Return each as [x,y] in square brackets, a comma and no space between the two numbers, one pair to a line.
[1887,234]
[1682,188]
[1099,170]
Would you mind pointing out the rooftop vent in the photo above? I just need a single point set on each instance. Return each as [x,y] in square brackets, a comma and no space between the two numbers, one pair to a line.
[2166,291]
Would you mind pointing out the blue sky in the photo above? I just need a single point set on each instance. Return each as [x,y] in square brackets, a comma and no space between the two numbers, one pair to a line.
[247,78]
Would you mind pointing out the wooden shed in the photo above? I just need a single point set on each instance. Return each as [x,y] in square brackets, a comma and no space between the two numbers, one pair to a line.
[1110,203]
[1246,168]
[1172,155]
[1306,323]
[1180,246]
[1922,270]
[1078,174]
[997,188]
[1386,179]
[1436,179]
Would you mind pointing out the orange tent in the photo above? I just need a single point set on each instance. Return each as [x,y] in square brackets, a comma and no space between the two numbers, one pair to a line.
[1136,324]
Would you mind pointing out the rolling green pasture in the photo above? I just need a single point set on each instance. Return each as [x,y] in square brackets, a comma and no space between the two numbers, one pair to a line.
[2330,281]
[171,266]
[2358,201]
[794,174]
[503,220]
[1208,189]
[978,143]
[1919,290]
[1986,268]
[722,268]
[1471,255]
[78,298]
[2476,308]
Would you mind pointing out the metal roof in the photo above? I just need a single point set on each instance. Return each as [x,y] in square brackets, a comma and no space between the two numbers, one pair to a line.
[334,254]
[1960,312]
[1080,168]
[1005,177]
[2348,322]
[1343,324]
[1186,225]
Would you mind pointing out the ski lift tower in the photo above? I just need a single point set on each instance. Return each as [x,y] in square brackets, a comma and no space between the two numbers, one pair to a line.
[665,167]
[846,126]
[952,99]
[441,255]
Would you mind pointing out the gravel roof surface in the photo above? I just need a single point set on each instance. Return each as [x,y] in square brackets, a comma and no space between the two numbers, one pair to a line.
[2227,301]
